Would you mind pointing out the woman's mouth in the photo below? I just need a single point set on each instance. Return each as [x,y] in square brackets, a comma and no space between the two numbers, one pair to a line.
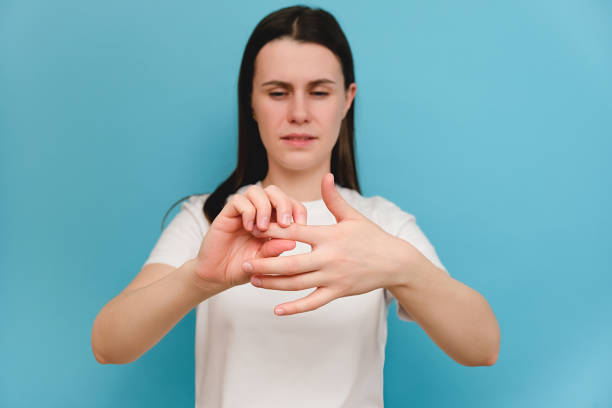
[298,140]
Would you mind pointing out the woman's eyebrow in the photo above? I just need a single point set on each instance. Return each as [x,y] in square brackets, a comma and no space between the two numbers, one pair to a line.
[287,85]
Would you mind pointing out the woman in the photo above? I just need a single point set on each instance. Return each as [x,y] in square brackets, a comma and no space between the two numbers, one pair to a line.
[289,232]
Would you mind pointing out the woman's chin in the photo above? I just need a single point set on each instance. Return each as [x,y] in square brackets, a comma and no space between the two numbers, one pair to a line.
[298,163]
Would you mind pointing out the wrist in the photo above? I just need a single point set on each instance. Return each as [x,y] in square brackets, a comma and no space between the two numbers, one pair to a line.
[206,287]
[401,270]
[413,270]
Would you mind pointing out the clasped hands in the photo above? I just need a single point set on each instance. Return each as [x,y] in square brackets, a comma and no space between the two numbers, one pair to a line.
[349,258]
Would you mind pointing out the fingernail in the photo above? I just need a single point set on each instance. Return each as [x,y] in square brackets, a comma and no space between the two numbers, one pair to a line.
[286,219]
[247,267]
[279,311]
[263,222]
[250,225]
[256,281]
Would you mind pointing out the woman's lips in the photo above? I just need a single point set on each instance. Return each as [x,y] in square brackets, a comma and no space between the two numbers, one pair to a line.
[298,140]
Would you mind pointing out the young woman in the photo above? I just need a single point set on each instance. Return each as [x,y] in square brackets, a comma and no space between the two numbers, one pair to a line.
[291,269]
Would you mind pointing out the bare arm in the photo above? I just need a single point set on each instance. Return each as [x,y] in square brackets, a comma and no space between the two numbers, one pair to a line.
[456,317]
[146,310]
[161,295]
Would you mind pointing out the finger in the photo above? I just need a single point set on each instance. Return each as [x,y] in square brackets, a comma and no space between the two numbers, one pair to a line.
[262,204]
[297,282]
[281,203]
[299,212]
[239,206]
[316,299]
[284,265]
[275,247]
[334,201]
[310,234]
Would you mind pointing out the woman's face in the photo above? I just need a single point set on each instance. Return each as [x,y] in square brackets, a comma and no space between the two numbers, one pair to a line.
[298,89]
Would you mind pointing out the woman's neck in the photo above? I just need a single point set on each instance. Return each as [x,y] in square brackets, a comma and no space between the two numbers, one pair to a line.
[301,186]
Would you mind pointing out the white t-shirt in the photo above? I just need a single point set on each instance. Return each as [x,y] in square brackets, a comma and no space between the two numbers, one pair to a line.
[246,356]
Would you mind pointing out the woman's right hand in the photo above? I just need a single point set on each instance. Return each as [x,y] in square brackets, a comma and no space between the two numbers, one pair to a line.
[230,241]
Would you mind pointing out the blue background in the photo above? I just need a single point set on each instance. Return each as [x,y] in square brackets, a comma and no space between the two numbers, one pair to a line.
[491,122]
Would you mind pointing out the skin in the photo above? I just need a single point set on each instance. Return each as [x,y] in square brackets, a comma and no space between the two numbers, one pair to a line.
[301,105]
[297,88]
[242,245]
[288,99]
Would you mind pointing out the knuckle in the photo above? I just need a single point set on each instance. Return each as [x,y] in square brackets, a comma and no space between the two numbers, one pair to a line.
[310,307]
[291,265]
[240,198]
[251,191]
[324,255]
[345,289]
[298,282]
[336,234]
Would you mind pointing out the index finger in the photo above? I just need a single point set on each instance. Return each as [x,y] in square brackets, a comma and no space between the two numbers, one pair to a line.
[310,234]
[299,212]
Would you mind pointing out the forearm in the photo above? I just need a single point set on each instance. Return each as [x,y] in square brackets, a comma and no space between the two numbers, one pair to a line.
[133,322]
[456,317]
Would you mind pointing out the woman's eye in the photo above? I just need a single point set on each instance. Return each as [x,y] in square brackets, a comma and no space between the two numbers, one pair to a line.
[279,94]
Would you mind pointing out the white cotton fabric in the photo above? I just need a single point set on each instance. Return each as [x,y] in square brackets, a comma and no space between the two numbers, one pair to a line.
[246,356]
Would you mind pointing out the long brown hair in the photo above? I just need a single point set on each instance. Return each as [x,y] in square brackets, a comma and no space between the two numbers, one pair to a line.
[302,24]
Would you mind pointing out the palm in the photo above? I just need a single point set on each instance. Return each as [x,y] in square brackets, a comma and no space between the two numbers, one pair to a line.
[227,245]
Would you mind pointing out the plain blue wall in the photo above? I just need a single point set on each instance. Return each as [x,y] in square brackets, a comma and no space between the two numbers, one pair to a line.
[491,122]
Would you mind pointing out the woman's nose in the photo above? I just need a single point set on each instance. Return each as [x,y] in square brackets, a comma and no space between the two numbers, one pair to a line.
[298,109]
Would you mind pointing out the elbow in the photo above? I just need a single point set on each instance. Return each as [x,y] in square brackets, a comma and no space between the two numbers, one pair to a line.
[494,342]
[95,344]
[99,358]
[489,357]
[104,358]
[494,353]
[490,361]
[96,352]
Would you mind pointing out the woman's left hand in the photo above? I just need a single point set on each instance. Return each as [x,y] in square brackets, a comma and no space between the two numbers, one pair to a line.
[349,258]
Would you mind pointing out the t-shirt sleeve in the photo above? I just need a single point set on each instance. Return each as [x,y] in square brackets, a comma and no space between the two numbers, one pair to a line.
[181,239]
[406,228]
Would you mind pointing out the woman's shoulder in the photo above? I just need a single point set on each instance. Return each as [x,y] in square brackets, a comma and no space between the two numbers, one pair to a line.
[196,200]
[376,203]
[194,203]
[192,209]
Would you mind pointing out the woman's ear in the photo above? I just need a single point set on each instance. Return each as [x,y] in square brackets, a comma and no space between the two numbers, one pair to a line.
[349,97]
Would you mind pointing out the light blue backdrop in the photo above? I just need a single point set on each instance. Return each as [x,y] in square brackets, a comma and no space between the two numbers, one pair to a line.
[491,122]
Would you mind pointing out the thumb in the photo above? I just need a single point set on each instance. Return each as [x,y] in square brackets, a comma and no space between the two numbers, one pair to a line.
[274,247]
[334,201]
